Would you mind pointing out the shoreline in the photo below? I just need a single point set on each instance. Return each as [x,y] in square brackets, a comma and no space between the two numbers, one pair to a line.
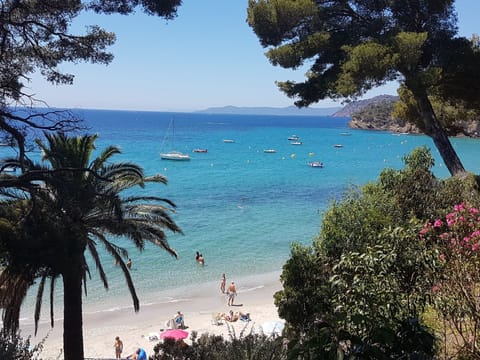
[254,296]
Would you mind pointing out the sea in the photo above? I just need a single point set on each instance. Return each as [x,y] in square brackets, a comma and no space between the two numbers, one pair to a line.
[240,207]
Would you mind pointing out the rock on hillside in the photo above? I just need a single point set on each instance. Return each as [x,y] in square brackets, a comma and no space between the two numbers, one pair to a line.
[376,115]
[355,106]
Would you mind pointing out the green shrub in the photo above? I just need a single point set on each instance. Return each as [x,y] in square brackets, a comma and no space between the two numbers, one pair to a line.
[14,347]
[214,347]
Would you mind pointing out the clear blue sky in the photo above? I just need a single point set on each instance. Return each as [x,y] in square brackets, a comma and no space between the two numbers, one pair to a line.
[207,57]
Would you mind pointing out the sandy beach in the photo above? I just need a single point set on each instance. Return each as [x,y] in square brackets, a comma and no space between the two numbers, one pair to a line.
[101,327]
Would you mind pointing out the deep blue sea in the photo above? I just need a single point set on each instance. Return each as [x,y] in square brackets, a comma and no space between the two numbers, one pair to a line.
[240,207]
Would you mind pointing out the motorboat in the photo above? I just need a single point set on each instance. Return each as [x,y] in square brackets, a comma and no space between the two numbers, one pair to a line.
[175,155]
[296,143]
[228,141]
[200,150]
[269,151]
[315,164]
[338,145]
[293,138]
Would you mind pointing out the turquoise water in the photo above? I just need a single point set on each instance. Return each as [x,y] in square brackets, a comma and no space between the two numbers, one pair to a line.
[240,207]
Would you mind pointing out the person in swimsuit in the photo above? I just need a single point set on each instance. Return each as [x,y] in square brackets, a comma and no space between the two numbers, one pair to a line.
[232,292]
[118,345]
[223,282]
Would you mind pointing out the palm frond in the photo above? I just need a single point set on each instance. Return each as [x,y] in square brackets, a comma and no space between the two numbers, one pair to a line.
[133,199]
[13,290]
[52,293]
[105,155]
[157,178]
[118,251]
[128,278]
[38,302]
[96,258]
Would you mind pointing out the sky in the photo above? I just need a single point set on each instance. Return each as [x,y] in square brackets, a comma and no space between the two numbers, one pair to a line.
[206,57]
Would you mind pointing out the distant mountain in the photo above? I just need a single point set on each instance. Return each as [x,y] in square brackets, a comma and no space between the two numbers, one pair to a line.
[285,111]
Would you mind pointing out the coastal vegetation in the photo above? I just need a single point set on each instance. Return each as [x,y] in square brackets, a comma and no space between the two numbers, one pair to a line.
[213,347]
[353,46]
[393,272]
[364,287]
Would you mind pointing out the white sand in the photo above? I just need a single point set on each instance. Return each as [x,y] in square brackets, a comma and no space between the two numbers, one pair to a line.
[100,328]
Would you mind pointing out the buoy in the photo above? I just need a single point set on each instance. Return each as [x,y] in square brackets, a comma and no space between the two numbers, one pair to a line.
[311,154]
[292,156]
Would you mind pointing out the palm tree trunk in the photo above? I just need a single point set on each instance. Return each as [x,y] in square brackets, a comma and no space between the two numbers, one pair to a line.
[435,130]
[72,321]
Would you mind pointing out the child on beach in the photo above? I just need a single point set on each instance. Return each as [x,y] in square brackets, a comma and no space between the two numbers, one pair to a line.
[118,345]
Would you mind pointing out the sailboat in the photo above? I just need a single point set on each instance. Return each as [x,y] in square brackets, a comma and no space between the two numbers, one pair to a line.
[174,154]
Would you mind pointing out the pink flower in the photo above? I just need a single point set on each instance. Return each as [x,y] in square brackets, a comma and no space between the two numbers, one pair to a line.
[442,257]
[437,223]
[459,207]
[424,231]
[473,210]
[476,233]
[475,247]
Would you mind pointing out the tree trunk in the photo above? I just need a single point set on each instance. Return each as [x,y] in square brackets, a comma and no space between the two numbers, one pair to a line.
[72,313]
[434,129]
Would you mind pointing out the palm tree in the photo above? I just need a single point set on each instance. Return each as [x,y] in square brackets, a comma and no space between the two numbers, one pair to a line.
[75,206]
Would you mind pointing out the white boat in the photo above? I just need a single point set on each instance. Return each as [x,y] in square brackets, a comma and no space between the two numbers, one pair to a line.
[315,164]
[228,141]
[174,154]
[338,145]
[270,151]
[200,150]
[296,143]
[293,137]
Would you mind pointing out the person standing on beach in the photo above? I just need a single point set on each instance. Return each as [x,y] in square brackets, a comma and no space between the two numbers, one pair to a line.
[129,263]
[223,283]
[118,345]
[232,292]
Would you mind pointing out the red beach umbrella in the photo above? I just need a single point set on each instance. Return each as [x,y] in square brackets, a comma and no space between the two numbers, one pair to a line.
[176,334]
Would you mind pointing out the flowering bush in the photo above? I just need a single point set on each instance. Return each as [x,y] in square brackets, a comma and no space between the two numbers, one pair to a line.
[458,233]
[456,289]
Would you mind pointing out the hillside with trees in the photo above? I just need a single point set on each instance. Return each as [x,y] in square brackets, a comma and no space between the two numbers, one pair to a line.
[380,113]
